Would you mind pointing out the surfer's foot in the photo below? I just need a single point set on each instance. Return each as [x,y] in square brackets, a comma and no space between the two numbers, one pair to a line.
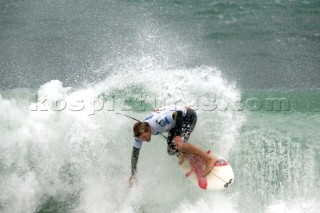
[209,166]
[181,158]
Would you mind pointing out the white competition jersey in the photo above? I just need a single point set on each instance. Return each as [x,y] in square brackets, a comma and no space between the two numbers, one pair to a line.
[161,121]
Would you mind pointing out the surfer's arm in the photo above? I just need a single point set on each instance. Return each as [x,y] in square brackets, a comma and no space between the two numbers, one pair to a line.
[134,160]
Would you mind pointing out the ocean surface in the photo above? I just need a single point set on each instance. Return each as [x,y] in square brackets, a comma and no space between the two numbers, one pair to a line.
[250,69]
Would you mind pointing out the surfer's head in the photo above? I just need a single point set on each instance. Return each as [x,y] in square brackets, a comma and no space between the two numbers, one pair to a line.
[142,130]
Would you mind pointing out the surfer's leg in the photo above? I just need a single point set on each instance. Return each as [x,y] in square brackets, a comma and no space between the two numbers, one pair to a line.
[171,147]
[189,122]
[182,157]
[192,149]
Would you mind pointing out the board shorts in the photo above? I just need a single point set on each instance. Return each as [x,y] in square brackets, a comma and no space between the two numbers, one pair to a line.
[189,122]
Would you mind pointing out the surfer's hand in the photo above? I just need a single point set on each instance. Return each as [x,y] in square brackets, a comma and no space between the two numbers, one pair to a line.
[133,181]
[178,141]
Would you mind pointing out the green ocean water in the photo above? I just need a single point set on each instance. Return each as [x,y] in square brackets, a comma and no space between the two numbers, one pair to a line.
[257,44]
[286,101]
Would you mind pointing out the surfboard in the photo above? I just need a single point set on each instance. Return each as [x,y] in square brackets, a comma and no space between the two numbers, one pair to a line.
[220,177]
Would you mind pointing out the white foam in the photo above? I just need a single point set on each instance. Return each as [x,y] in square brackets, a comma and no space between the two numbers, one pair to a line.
[52,154]
[212,203]
[295,206]
[21,193]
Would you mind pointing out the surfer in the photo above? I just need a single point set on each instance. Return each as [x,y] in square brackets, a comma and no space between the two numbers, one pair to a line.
[179,122]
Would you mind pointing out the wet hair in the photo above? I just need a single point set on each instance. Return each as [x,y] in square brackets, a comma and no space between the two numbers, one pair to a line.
[139,128]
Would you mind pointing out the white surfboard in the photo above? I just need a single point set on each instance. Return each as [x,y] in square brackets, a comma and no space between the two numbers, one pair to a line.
[220,177]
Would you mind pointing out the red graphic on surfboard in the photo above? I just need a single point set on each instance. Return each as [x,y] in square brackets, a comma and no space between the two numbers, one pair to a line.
[197,166]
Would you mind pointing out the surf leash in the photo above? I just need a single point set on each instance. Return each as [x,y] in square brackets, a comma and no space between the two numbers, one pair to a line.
[128,116]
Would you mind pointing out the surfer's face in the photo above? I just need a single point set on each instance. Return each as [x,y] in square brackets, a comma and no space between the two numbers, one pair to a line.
[146,136]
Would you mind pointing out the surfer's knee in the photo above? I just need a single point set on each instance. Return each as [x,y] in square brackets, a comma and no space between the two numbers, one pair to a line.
[171,150]
[182,147]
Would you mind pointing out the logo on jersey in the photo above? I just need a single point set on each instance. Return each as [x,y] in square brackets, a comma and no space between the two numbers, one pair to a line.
[161,123]
[148,117]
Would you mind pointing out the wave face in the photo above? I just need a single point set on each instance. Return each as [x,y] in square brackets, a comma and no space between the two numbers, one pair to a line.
[66,150]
